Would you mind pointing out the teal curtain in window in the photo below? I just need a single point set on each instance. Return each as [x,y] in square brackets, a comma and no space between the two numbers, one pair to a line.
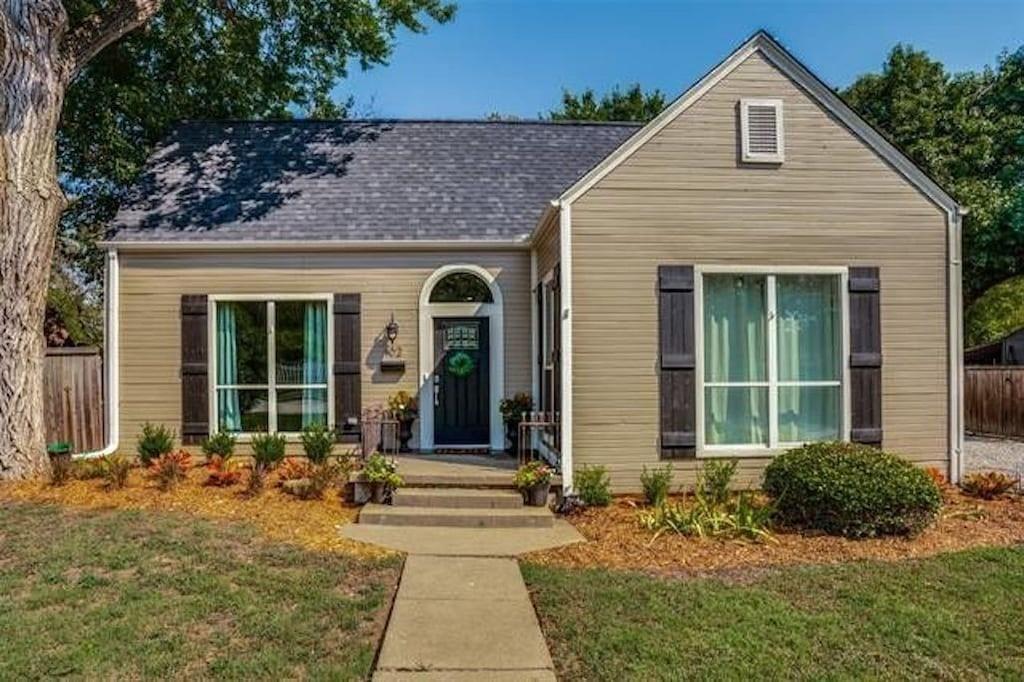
[808,333]
[314,363]
[229,417]
[735,351]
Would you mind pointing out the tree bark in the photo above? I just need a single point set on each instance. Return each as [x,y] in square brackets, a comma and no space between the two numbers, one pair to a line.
[33,80]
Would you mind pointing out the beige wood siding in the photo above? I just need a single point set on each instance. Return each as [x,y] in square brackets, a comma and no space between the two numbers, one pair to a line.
[547,244]
[684,198]
[390,282]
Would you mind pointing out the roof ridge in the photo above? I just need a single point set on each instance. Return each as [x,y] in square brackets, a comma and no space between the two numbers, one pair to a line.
[474,121]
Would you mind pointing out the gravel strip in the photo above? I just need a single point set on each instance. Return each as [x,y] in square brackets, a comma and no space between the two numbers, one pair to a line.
[988,454]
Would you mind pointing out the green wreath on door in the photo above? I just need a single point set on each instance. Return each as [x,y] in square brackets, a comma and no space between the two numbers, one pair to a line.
[460,364]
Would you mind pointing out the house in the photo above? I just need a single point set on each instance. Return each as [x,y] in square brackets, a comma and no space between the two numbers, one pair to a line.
[1008,350]
[756,267]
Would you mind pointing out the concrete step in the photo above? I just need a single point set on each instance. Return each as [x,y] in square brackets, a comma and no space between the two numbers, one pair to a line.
[525,517]
[457,498]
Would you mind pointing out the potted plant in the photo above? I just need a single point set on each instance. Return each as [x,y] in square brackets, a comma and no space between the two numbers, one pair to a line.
[512,410]
[382,475]
[533,480]
[404,408]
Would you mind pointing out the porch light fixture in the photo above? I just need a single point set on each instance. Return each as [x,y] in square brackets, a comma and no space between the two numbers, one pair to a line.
[392,360]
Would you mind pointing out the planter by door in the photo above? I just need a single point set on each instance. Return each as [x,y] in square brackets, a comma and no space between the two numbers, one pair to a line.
[537,495]
[461,382]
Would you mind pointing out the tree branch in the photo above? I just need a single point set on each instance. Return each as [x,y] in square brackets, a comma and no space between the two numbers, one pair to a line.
[102,29]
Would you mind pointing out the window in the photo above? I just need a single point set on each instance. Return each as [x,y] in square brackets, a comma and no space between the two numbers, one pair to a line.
[550,319]
[761,131]
[772,359]
[271,365]
[461,287]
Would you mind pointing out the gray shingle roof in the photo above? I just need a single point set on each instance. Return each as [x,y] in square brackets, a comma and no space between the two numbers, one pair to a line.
[360,179]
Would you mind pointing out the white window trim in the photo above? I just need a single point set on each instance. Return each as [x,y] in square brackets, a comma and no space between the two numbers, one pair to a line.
[272,385]
[774,447]
[780,136]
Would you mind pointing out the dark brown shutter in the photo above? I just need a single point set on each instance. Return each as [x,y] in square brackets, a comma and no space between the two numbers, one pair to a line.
[347,366]
[865,356]
[677,361]
[195,397]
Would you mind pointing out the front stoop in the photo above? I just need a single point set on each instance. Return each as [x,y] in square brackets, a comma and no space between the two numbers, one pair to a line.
[457,498]
[523,517]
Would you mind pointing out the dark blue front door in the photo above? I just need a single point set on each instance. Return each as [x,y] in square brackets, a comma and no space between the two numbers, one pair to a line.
[462,381]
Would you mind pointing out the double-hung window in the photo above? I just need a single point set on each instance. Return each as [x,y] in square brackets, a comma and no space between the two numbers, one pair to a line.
[270,364]
[772,350]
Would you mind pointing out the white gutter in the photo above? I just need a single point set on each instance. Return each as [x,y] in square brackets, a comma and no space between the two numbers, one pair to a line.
[956,344]
[111,388]
[317,245]
[565,257]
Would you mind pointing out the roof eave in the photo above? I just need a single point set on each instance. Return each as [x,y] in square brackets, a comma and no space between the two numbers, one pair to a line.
[224,245]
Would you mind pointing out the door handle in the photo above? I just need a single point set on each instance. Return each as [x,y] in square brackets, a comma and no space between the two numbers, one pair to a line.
[437,390]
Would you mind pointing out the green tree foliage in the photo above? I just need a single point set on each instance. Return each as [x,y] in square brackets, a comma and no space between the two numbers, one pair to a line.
[967,131]
[632,104]
[996,313]
[206,59]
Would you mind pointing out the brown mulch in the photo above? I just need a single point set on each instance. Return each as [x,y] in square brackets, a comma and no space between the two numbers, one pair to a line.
[311,524]
[617,541]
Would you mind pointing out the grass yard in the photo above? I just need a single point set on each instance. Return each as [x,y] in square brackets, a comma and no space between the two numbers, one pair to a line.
[104,594]
[953,616]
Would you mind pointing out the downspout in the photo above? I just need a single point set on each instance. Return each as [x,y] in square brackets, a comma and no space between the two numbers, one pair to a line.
[956,345]
[111,389]
[565,259]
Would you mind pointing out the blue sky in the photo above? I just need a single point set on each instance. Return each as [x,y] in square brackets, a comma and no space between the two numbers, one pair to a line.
[515,57]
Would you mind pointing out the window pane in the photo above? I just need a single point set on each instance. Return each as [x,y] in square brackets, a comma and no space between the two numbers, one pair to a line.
[461,287]
[242,342]
[242,410]
[298,408]
[300,338]
[735,415]
[734,328]
[809,327]
[808,413]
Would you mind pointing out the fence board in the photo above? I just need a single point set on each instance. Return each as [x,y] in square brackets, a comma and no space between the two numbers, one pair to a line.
[73,397]
[994,400]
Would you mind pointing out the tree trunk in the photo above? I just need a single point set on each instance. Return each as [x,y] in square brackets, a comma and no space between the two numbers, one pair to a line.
[33,80]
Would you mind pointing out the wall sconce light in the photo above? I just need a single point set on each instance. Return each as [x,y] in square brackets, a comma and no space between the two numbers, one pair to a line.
[392,360]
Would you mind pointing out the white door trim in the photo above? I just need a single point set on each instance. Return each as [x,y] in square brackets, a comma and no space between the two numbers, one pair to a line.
[495,313]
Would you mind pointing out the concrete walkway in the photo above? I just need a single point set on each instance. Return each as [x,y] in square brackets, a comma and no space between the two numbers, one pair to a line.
[463,618]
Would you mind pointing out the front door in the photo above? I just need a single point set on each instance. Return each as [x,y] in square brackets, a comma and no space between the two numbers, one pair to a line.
[462,409]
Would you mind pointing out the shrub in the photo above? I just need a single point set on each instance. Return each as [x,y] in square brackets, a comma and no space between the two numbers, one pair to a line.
[593,486]
[294,470]
[317,443]
[531,474]
[512,409]
[715,479]
[379,469]
[88,469]
[656,483]
[851,490]
[267,451]
[115,469]
[221,444]
[741,518]
[153,442]
[987,485]
[222,472]
[936,475]
[170,468]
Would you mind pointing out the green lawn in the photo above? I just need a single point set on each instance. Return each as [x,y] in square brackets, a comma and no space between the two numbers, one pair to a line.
[119,594]
[957,616]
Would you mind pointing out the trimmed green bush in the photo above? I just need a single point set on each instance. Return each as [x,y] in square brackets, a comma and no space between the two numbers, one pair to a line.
[155,441]
[851,490]
[594,486]
[317,442]
[220,444]
[656,483]
[996,313]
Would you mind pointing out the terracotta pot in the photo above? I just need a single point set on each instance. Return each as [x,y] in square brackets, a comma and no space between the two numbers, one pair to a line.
[537,495]
[378,492]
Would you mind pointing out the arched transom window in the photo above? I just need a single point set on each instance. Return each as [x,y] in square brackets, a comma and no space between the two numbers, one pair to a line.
[461,287]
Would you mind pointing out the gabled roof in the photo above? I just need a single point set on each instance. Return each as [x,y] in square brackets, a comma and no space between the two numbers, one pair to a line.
[358,180]
[761,42]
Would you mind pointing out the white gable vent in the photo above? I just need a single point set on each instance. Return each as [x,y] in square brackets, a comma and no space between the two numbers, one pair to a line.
[761,130]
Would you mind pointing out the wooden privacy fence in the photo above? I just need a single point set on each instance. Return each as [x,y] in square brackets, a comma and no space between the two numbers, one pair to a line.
[73,397]
[994,400]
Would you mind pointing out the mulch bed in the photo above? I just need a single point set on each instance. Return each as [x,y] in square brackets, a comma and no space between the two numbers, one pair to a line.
[617,541]
[311,524]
